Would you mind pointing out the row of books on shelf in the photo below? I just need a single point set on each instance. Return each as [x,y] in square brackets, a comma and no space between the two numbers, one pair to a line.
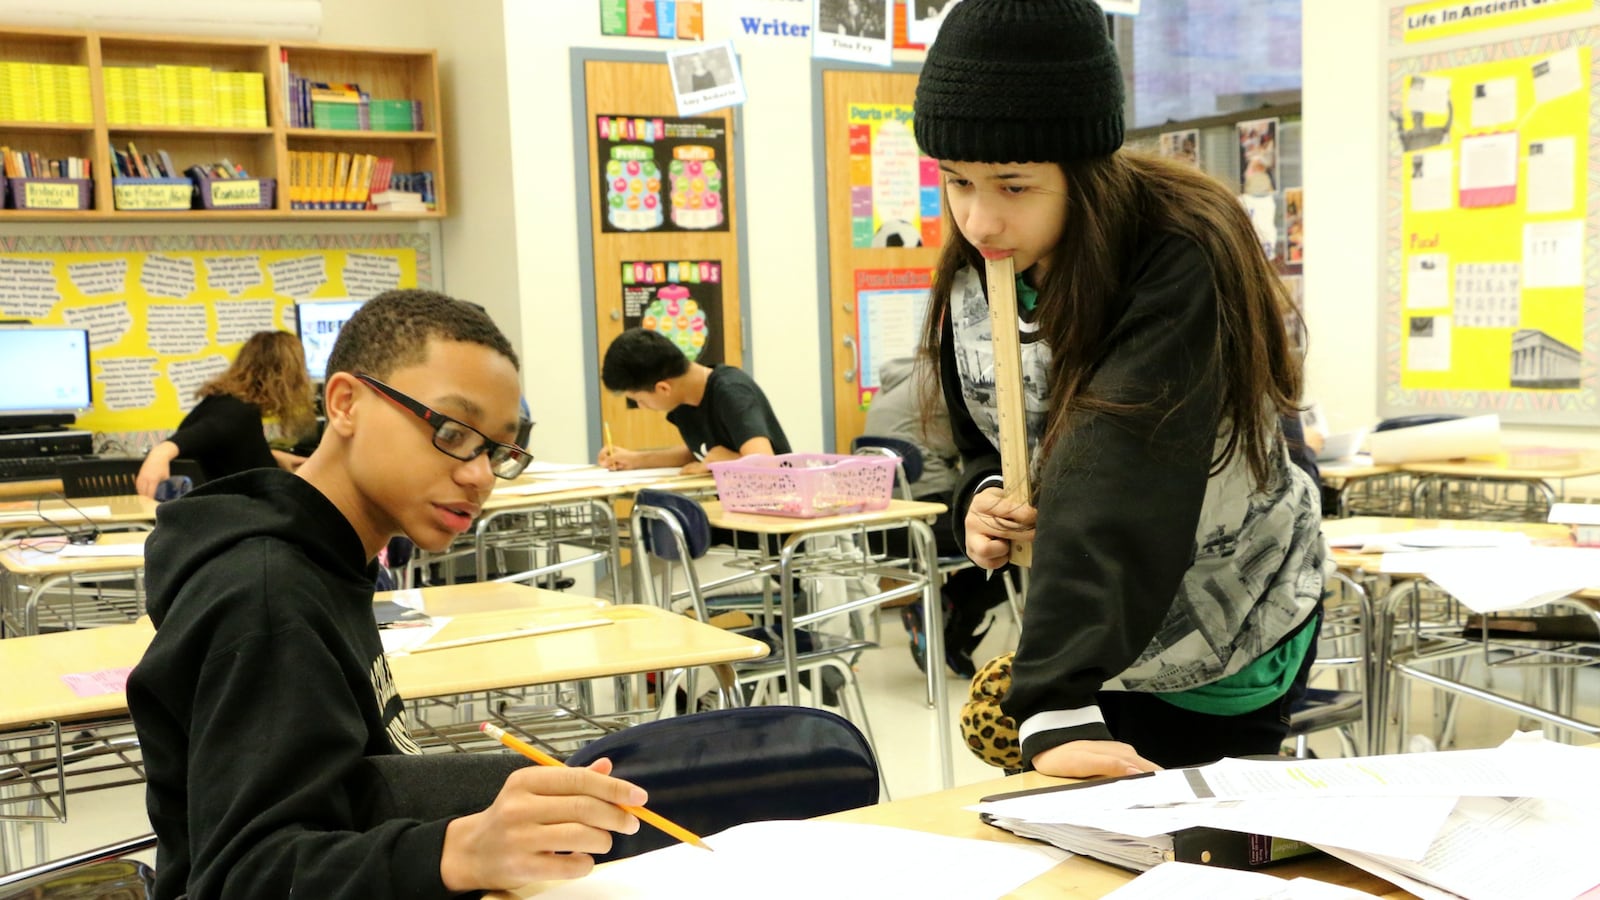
[185,95]
[344,106]
[323,179]
[41,92]
[27,164]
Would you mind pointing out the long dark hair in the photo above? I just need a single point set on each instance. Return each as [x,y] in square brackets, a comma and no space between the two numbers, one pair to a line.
[270,372]
[1113,204]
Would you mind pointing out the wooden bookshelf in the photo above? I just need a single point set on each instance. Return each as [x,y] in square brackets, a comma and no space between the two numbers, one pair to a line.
[384,73]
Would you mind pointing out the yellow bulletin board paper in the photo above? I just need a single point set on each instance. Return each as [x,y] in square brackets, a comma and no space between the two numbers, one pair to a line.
[166,314]
[1492,233]
[1438,19]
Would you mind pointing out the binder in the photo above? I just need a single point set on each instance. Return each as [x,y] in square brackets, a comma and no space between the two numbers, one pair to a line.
[1200,845]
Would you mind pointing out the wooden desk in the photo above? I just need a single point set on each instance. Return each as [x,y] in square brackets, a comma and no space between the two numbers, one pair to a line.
[25,581]
[1391,662]
[1078,878]
[485,597]
[124,512]
[920,577]
[10,490]
[1383,486]
[1494,474]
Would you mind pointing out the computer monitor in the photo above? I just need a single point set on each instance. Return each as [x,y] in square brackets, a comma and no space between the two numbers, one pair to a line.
[318,322]
[44,375]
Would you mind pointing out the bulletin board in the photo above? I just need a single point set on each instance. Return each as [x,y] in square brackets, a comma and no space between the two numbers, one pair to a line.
[1491,238]
[165,314]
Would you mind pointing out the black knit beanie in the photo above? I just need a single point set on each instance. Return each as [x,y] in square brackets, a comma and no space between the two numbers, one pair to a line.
[1020,81]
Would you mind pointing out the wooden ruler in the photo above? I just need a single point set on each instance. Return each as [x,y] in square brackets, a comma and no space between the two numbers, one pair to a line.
[1009,399]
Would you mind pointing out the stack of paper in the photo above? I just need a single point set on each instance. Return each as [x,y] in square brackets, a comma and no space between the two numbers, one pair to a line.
[1513,821]
[1187,881]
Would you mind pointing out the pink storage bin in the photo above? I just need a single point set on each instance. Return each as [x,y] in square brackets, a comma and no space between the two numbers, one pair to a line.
[804,485]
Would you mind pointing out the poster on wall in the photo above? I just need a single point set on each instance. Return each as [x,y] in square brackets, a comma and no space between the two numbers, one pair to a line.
[659,174]
[1294,228]
[680,299]
[853,30]
[1437,19]
[1183,146]
[683,20]
[923,18]
[894,188]
[1258,156]
[1489,307]
[706,78]
[891,305]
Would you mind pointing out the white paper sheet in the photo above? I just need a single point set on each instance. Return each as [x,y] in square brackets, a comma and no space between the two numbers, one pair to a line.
[1575,513]
[58,514]
[403,638]
[1552,254]
[1494,102]
[1428,94]
[101,550]
[1188,881]
[1557,76]
[537,487]
[1504,579]
[1433,180]
[871,860]
[1428,281]
[1489,170]
[1488,295]
[1551,180]
[1428,344]
[1472,436]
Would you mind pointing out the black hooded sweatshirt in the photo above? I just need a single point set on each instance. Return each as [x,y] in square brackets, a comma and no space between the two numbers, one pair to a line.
[263,701]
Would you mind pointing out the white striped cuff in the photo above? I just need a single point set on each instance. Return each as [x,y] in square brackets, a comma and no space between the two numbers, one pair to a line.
[1051,720]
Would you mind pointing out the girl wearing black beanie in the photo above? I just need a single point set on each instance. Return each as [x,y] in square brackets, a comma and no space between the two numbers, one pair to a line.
[1179,563]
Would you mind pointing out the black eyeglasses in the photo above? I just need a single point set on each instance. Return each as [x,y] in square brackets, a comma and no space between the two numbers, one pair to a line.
[458,440]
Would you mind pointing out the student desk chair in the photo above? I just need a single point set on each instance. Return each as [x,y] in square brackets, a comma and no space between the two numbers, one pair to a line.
[1419,630]
[919,578]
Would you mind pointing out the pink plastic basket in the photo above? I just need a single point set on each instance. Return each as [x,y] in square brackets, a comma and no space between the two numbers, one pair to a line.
[804,485]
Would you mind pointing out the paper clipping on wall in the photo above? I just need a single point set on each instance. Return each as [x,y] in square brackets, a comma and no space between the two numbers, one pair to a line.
[705,78]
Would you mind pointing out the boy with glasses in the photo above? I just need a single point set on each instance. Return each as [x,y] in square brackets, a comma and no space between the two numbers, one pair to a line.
[273,736]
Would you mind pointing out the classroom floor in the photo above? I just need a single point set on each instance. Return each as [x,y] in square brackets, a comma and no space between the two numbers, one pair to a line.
[901,723]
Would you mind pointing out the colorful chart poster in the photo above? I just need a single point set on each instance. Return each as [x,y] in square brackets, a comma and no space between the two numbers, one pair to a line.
[894,189]
[1183,146]
[680,19]
[1488,299]
[681,299]
[659,174]
[891,305]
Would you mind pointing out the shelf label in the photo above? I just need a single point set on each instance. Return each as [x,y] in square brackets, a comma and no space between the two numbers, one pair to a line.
[243,192]
[153,196]
[50,195]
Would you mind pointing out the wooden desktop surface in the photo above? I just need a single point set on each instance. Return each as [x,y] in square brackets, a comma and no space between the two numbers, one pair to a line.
[485,597]
[1078,878]
[1543,534]
[124,509]
[639,639]
[12,490]
[60,564]
[1500,467]
[1362,467]
[896,511]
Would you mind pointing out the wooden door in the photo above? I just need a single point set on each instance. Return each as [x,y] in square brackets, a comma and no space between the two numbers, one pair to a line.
[636,99]
[871,173]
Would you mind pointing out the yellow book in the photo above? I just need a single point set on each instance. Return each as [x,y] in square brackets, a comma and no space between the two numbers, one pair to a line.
[341,181]
[361,180]
[325,179]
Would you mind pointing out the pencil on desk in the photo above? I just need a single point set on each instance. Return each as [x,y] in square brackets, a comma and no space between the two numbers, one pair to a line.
[611,449]
[545,759]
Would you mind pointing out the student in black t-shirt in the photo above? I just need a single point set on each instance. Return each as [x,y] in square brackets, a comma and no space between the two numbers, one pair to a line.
[719,410]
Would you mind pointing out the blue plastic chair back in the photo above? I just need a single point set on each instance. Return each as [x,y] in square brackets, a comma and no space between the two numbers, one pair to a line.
[691,517]
[714,770]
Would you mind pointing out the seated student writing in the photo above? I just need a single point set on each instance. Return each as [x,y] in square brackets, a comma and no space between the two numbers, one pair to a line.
[720,411]
[224,433]
[265,706]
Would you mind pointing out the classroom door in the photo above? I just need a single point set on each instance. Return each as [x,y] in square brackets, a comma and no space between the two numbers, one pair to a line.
[665,227]
[884,231]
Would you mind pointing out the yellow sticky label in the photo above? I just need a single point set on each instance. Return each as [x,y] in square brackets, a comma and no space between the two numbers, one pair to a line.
[51,195]
[152,196]
[244,192]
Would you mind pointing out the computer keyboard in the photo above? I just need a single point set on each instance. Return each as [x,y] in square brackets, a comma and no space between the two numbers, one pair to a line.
[32,468]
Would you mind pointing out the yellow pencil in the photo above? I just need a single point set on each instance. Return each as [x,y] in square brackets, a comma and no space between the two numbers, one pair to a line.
[611,449]
[545,759]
